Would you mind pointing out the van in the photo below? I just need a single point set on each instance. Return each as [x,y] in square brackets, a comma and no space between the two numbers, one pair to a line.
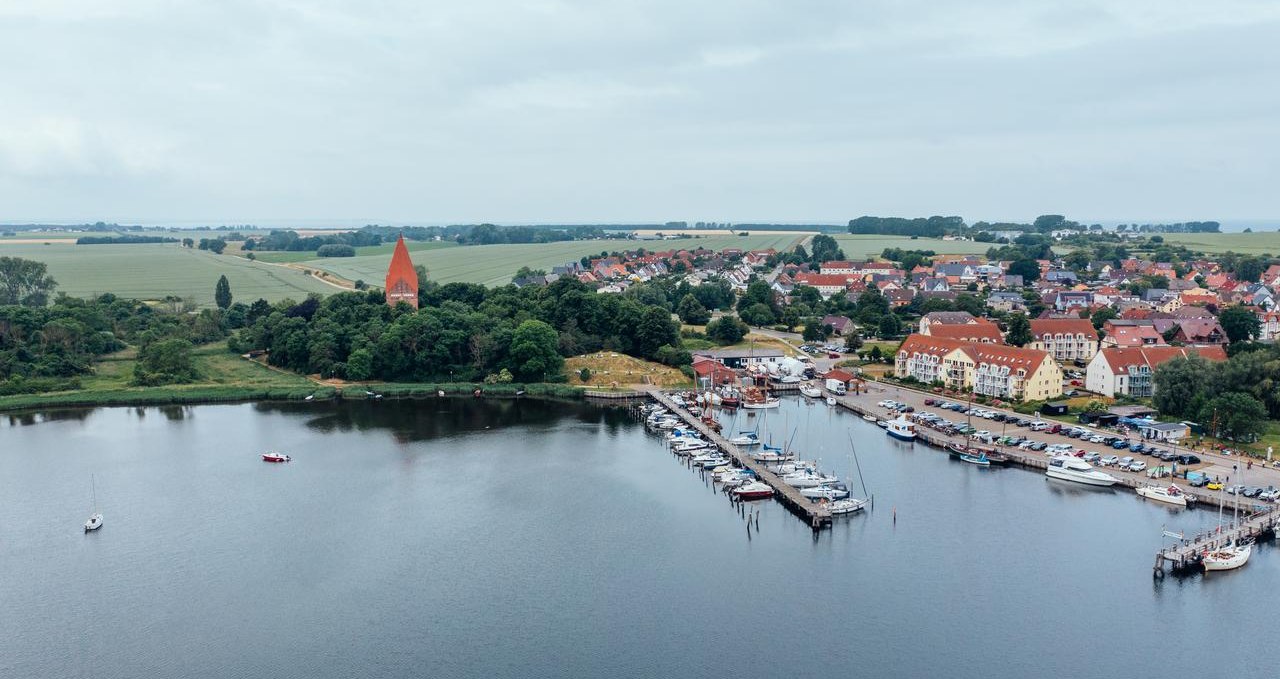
[1039,425]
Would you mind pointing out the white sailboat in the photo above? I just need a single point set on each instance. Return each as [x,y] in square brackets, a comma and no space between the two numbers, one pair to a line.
[95,519]
[1233,555]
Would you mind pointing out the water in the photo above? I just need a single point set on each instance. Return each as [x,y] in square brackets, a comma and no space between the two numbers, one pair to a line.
[463,538]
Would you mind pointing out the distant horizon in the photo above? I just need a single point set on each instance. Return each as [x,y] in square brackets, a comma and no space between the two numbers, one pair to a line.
[1228,225]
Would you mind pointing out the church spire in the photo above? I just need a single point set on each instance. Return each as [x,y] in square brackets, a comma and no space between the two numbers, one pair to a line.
[402,280]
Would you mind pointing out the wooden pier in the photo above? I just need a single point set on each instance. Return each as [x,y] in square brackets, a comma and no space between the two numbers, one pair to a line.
[1187,555]
[815,514]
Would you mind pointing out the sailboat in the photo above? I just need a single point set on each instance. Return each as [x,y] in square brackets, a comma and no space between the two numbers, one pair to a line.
[851,504]
[1233,555]
[95,519]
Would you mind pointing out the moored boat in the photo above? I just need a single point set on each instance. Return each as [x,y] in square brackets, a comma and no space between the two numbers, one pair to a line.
[831,400]
[1071,468]
[833,491]
[754,490]
[95,517]
[901,428]
[746,439]
[846,506]
[810,390]
[1170,494]
[1227,558]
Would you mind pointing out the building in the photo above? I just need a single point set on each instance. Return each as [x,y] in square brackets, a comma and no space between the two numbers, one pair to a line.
[988,369]
[1066,339]
[1128,336]
[741,358]
[826,284]
[402,279]
[981,331]
[945,318]
[1171,432]
[1128,371]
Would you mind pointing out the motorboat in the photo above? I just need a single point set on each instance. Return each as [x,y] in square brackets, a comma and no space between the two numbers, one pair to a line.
[831,400]
[810,390]
[746,439]
[846,506]
[753,491]
[794,467]
[901,428]
[1227,558]
[834,491]
[869,418]
[760,405]
[1171,494]
[710,461]
[272,456]
[808,479]
[771,456]
[1071,468]
[689,446]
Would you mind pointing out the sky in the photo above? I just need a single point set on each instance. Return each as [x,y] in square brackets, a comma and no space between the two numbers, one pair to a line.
[607,111]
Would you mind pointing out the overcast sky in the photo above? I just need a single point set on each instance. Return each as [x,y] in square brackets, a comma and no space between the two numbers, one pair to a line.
[232,111]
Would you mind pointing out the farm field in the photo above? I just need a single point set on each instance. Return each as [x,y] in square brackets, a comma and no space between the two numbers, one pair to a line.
[860,246]
[496,264]
[277,256]
[154,271]
[1262,242]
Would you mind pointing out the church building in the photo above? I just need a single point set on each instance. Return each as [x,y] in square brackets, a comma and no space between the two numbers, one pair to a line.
[402,280]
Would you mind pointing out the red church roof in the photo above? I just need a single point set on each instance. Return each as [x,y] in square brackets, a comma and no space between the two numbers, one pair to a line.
[402,280]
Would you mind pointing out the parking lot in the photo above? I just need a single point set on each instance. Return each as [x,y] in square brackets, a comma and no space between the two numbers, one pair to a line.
[1002,429]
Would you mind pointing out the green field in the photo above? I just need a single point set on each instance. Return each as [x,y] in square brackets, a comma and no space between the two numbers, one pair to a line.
[496,264]
[154,271]
[1260,243]
[862,246]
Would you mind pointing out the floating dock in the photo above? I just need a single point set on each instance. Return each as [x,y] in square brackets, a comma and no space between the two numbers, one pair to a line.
[814,514]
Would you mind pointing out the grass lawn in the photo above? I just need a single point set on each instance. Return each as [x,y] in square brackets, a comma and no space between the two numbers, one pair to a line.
[1262,242]
[371,250]
[152,271]
[611,369]
[863,246]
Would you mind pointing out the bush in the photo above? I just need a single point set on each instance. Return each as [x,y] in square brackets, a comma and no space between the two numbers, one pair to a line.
[584,374]
[335,250]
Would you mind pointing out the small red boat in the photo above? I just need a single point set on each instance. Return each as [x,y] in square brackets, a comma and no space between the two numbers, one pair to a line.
[275,457]
[753,491]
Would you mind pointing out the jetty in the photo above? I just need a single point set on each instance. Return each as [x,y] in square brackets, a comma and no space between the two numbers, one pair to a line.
[813,513]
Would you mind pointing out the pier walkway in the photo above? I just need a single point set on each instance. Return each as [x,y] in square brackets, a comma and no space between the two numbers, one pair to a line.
[815,514]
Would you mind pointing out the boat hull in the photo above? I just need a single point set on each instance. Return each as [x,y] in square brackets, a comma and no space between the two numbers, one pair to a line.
[1085,480]
[1176,500]
[1225,560]
[900,436]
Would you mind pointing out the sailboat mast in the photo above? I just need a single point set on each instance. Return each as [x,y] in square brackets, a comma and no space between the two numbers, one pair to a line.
[93,493]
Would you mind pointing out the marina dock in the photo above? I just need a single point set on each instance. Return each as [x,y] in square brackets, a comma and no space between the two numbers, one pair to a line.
[815,514]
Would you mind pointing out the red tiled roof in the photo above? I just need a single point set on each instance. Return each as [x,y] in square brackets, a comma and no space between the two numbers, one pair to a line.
[1067,326]
[1119,359]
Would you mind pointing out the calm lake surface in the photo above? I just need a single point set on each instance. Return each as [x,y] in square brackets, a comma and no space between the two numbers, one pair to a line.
[463,538]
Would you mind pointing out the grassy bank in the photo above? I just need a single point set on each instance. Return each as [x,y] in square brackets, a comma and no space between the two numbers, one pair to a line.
[226,377]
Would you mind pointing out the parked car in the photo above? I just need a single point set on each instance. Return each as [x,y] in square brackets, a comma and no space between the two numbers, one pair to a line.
[1251,491]
[1110,460]
[1137,466]
[1120,444]
[1188,459]
[1125,462]
[930,401]
[1270,493]
[1039,445]
[1214,485]
[1092,457]
[1055,428]
[1137,447]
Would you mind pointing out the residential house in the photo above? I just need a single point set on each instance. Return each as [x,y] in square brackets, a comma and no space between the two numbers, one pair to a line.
[1128,371]
[988,369]
[946,318]
[1006,302]
[826,284]
[1125,336]
[1069,339]
[842,325]
[982,331]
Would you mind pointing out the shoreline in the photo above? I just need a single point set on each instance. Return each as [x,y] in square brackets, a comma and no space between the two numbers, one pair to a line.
[214,395]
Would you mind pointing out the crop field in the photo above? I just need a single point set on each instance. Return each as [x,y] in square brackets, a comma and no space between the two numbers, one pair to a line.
[1262,242]
[861,246]
[154,271]
[496,264]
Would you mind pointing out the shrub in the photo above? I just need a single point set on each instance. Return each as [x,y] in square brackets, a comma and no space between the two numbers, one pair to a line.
[335,250]
[584,374]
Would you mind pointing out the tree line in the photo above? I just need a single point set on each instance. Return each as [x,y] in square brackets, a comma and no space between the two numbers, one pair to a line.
[1233,398]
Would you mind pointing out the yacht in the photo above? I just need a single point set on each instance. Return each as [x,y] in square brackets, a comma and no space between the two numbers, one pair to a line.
[1227,558]
[753,491]
[1070,468]
[95,518]
[808,479]
[810,390]
[846,506]
[834,491]
[689,446]
[901,428]
[745,439]
[1171,494]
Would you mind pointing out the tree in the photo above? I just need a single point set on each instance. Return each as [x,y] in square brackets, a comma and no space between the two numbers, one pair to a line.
[815,331]
[1250,269]
[533,352]
[691,310]
[969,303]
[758,314]
[222,292]
[1180,386]
[726,330]
[169,361]
[1239,323]
[890,326]
[1019,334]
[335,250]
[655,329]
[1239,416]
[25,282]
[1101,316]
[825,249]
[1029,269]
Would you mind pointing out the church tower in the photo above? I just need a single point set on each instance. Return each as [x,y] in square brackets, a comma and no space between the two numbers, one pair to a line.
[402,280]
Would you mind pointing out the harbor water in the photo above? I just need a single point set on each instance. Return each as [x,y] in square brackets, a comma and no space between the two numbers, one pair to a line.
[533,538]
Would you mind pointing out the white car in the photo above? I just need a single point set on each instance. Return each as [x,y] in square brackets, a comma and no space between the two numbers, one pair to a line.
[1096,438]
[1125,462]
[980,434]
[1026,445]
[1110,461]
[1091,456]
[885,404]
[1137,466]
